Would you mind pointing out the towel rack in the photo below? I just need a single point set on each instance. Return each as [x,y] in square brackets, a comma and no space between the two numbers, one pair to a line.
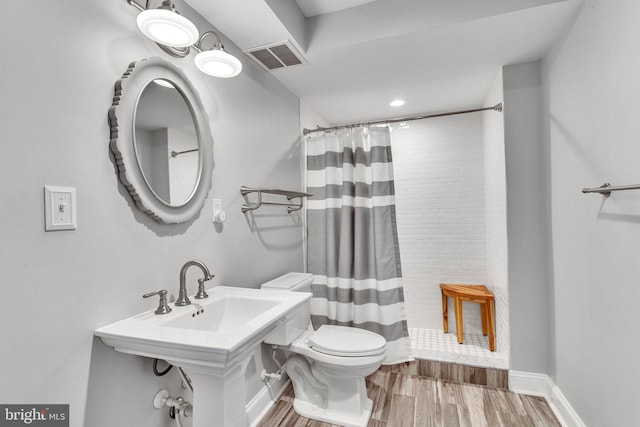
[606,189]
[177,153]
[291,207]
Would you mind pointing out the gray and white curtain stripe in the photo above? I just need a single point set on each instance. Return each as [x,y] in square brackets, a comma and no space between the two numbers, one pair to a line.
[352,239]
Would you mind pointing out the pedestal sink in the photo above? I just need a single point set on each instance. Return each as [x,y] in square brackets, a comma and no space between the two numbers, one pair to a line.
[212,340]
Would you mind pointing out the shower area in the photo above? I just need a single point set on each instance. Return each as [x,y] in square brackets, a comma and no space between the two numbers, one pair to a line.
[451,215]
[450,203]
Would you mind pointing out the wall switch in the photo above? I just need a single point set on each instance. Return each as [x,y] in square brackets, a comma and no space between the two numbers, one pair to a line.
[60,208]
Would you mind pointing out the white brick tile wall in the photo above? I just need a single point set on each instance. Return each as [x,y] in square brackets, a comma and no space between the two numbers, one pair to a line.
[440,200]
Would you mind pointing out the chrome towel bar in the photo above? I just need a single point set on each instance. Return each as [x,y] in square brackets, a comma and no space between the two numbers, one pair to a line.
[606,189]
[291,207]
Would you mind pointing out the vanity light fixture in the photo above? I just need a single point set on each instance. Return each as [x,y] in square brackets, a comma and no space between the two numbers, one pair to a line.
[175,34]
[216,62]
[166,26]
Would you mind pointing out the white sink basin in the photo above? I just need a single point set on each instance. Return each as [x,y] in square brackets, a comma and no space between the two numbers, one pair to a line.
[212,339]
[226,314]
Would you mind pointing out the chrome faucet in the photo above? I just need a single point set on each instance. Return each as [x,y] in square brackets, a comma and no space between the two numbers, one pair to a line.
[183,299]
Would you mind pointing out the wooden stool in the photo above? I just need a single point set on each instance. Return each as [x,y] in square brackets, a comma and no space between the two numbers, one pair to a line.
[469,293]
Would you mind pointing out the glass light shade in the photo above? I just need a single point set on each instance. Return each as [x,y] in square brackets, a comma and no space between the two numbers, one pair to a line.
[218,63]
[167,28]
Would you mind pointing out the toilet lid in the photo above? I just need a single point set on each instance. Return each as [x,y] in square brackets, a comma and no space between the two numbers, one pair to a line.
[346,341]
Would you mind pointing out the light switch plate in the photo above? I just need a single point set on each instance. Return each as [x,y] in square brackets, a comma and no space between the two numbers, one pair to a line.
[60,208]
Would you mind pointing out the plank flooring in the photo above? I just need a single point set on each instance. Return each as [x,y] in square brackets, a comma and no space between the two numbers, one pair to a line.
[407,400]
[454,372]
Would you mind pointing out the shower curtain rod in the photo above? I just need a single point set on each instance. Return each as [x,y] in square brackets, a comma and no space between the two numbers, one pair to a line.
[497,107]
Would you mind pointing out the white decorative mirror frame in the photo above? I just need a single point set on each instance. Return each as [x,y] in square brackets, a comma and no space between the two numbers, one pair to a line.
[122,115]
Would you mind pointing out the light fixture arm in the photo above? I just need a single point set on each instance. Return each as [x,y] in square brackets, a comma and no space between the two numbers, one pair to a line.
[166,4]
[217,45]
[137,6]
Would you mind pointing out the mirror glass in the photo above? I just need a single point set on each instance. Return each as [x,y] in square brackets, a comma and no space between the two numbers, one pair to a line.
[166,142]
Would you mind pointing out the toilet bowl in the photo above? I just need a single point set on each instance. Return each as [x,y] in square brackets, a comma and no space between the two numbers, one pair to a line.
[327,367]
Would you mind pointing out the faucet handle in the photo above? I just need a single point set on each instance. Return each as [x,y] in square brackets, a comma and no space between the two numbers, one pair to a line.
[202,294]
[163,307]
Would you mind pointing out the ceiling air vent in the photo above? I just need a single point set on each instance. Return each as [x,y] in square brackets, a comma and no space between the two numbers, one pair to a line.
[276,55]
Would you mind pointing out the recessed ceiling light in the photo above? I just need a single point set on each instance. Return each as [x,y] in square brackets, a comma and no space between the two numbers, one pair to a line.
[397,103]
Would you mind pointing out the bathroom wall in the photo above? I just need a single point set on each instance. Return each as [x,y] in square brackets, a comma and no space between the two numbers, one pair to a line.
[530,315]
[590,111]
[496,213]
[57,85]
[440,201]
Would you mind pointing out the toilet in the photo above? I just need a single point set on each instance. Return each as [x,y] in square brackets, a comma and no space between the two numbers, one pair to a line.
[327,367]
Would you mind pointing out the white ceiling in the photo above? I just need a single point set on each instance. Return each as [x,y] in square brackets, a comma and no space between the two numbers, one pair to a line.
[321,7]
[435,54]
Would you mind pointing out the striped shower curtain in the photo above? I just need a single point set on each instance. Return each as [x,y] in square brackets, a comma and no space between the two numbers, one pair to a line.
[353,248]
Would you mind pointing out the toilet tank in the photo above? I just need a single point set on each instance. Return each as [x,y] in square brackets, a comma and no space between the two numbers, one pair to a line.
[295,282]
[295,324]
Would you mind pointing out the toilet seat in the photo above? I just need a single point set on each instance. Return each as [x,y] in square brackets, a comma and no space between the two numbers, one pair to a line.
[346,341]
[350,361]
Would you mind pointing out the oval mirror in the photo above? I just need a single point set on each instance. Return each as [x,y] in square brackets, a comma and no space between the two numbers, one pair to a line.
[161,141]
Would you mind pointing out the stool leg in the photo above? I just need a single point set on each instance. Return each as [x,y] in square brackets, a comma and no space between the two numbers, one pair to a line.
[483,315]
[457,304]
[490,321]
[445,313]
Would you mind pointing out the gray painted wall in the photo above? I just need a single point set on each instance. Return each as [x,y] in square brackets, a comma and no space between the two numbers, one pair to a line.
[592,136]
[530,316]
[59,64]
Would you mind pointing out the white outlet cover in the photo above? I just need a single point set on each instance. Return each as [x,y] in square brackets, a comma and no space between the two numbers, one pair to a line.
[219,215]
[60,208]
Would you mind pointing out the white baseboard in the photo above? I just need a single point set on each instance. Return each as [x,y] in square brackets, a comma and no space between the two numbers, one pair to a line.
[264,400]
[542,385]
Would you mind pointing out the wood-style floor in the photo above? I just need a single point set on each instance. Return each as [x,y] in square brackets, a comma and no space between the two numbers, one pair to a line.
[402,400]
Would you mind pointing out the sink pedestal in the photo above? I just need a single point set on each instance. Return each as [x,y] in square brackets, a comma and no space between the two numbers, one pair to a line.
[219,398]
